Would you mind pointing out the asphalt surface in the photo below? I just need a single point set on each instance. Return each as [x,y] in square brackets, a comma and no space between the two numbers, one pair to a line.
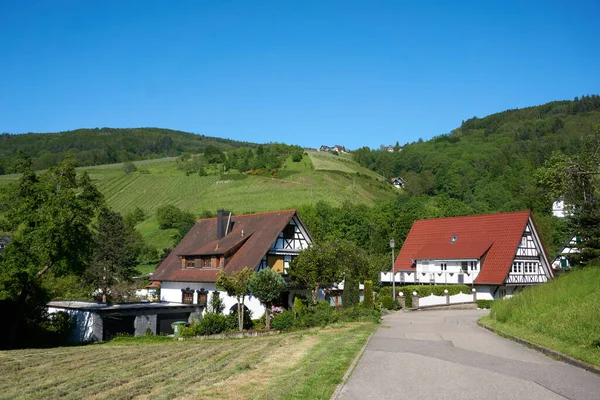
[443,354]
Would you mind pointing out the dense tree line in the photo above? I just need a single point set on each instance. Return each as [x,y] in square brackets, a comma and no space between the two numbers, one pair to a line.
[106,146]
[263,157]
[65,242]
[489,164]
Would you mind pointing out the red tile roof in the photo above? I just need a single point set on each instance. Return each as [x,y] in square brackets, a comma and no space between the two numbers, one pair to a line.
[432,237]
[452,251]
[260,231]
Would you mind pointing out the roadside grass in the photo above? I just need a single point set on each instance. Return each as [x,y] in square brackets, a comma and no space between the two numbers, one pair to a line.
[297,365]
[563,315]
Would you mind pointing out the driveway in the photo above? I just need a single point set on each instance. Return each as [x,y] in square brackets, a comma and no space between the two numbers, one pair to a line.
[443,354]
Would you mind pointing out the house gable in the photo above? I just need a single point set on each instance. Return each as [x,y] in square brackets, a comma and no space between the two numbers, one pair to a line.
[530,263]
[249,239]
[503,231]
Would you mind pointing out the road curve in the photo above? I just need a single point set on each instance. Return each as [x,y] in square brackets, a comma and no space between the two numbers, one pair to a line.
[443,354]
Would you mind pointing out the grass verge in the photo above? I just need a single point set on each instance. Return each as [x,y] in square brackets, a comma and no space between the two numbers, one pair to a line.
[297,365]
[563,315]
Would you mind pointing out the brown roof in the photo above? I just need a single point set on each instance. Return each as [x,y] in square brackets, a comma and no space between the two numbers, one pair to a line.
[500,233]
[260,231]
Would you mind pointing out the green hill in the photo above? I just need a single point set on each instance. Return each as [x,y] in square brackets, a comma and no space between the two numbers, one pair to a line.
[159,182]
[562,314]
[106,145]
[489,163]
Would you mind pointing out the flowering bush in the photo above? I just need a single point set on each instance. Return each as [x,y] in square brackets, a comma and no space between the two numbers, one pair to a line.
[276,311]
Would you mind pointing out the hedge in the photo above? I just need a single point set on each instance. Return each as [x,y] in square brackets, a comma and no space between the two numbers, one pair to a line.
[484,303]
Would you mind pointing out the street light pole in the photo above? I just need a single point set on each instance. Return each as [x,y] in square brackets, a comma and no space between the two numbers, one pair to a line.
[392,244]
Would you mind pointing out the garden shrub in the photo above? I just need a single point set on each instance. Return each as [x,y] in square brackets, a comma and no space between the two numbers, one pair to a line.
[283,320]
[248,324]
[484,303]
[357,314]
[387,302]
[210,324]
[368,301]
[351,293]
[299,306]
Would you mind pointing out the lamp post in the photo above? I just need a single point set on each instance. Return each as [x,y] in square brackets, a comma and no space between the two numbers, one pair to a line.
[392,244]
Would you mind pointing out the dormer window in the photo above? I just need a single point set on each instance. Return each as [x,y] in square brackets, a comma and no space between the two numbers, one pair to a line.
[190,263]
[204,262]
[454,239]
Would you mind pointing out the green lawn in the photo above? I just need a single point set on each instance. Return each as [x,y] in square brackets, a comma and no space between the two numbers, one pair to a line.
[563,314]
[300,365]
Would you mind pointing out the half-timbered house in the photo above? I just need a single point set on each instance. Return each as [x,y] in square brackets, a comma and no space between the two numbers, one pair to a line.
[498,254]
[229,243]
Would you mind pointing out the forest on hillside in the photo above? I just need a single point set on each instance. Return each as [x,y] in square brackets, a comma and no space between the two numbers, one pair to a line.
[489,164]
[106,146]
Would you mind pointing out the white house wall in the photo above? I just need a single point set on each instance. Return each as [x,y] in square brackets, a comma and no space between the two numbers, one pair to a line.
[84,324]
[171,292]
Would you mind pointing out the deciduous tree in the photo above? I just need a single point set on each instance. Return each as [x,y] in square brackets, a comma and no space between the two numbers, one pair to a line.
[236,285]
[266,286]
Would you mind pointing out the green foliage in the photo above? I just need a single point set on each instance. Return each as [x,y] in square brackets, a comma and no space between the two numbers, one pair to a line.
[368,293]
[236,285]
[129,167]
[216,304]
[284,321]
[351,294]
[299,306]
[210,324]
[266,286]
[116,248]
[171,217]
[386,301]
[108,145]
[297,155]
[50,217]
[577,179]
[135,217]
[315,267]
[485,303]
[489,163]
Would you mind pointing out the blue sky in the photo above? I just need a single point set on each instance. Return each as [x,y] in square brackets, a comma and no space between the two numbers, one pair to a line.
[356,73]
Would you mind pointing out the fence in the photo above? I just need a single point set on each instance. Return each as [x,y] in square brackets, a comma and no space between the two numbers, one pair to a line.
[433,300]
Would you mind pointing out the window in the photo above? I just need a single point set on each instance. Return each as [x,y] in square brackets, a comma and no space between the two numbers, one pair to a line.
[205,262]
[464,265]
[502,293]
[190,263]
[444,266]
[288,232]
[531,268]
[187,296]
[517,268]
[473,265]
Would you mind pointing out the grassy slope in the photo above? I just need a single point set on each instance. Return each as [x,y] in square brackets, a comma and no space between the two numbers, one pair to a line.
[563,314]
[306,364]
[335,179]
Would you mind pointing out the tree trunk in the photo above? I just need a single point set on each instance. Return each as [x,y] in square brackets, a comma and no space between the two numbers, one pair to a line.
[315,294]
[240,319]
[267,317]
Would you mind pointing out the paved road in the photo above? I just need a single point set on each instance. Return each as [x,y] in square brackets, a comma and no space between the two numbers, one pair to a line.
[444,355]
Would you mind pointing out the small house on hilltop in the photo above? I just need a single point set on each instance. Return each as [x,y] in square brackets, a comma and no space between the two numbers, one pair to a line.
[229,243]
[499,254]
[397,182]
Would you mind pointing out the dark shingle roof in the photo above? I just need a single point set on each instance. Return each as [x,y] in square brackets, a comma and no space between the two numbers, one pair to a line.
[260,231]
